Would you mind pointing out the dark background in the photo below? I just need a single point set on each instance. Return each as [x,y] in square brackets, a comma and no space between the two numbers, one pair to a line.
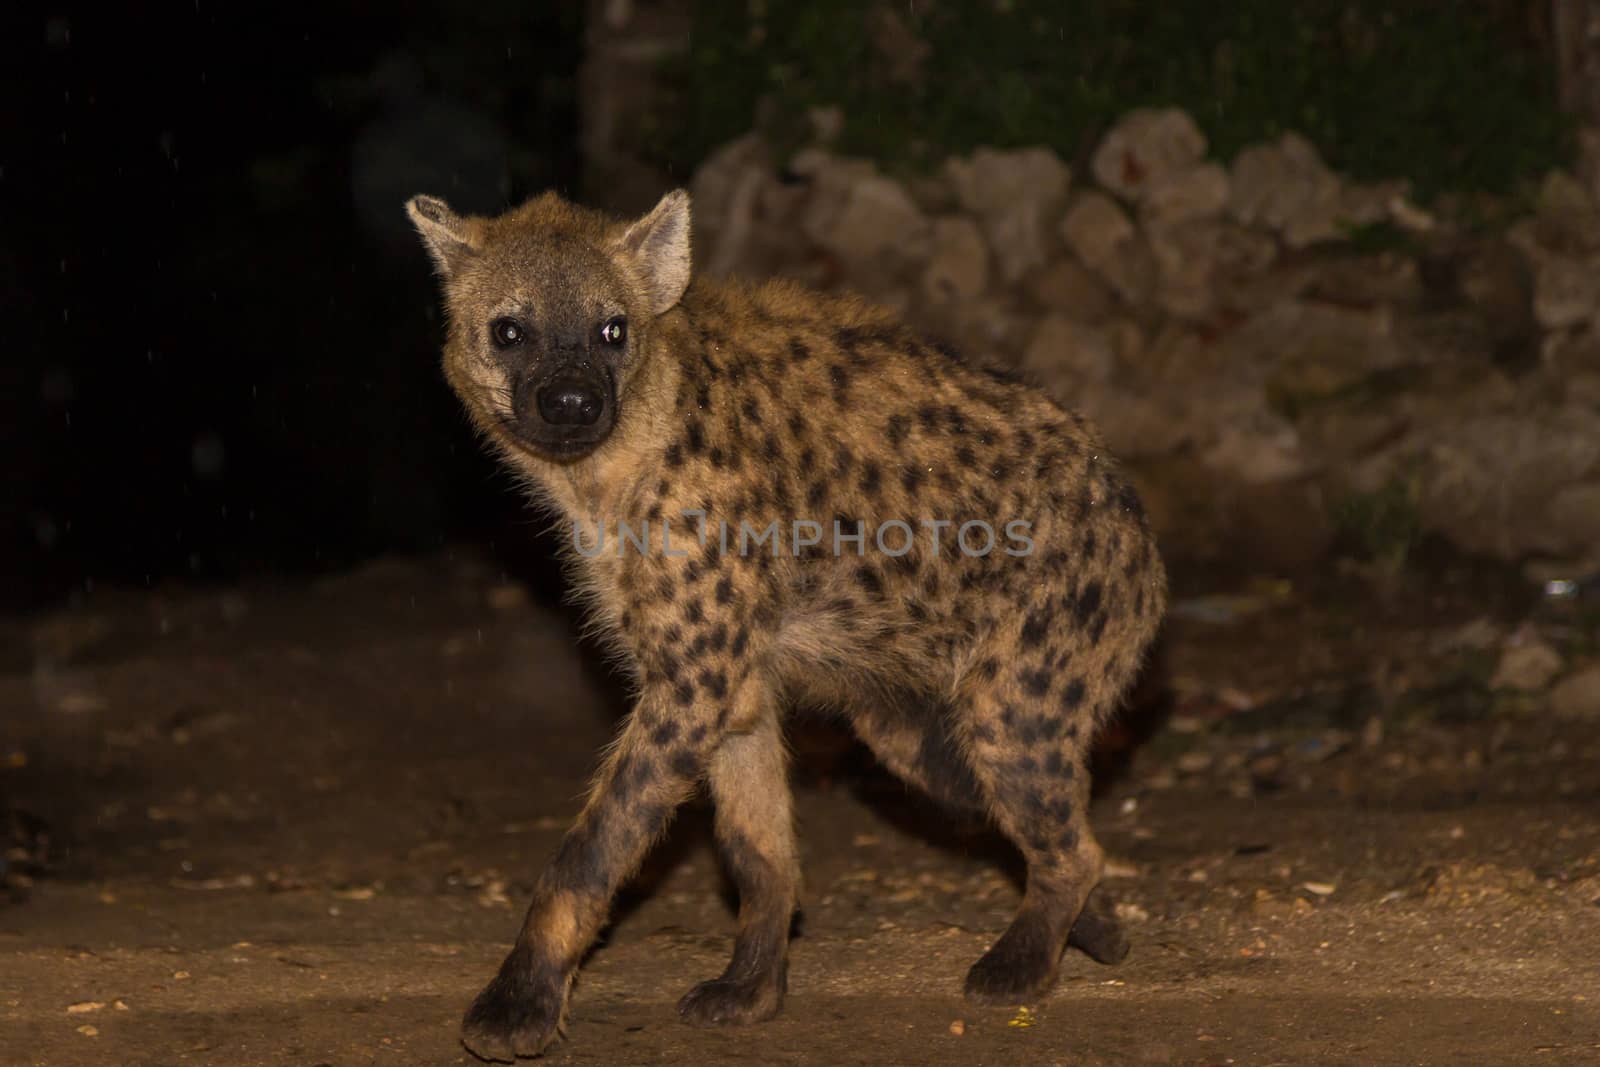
[221,339]
[219,352]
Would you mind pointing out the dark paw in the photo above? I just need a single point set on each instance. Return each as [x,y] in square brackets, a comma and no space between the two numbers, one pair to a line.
[517,1014]
[1098,933]
[1020,966]
[727,1002]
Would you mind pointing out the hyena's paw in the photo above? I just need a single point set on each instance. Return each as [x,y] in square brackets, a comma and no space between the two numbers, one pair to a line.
[517,1014]
[1020,966]
[731,1002]
[1098,933]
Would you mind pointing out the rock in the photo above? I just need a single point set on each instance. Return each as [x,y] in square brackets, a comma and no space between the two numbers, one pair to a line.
[725,190]
[1575,514]
[1577,696]
[1566,291]
[1583,390]
[1014,195]
[1068,286]
[1146,147]
[934,194]
[1305,352]
[826,123]
[1257,451]
[959,266]
[1527,667]
[1198,259]
[1285,186]
[1487,481]
[1365,280]
[1366,205]
[1565,217]
[1184,257]
[1184,196]
[1497,283]
[1341,433]
[1062,348]
[991,330]
[1589,160]
[1105,241]
[869,222]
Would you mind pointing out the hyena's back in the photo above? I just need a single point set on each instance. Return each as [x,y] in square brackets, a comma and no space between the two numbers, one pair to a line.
[799,405]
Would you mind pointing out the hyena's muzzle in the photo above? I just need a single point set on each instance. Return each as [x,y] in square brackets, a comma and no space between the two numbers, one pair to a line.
[565,407]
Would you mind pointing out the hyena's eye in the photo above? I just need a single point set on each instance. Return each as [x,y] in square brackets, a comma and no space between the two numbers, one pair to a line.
[506,332]
[614,331]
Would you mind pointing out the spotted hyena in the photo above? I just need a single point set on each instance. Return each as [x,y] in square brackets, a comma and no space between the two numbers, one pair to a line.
[776,496]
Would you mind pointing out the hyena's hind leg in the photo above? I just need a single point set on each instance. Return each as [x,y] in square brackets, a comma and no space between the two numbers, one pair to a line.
[748,778]
[1028,747]
[917,737]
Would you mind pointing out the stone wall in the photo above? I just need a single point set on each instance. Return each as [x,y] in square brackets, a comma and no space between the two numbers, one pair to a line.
[1261,341]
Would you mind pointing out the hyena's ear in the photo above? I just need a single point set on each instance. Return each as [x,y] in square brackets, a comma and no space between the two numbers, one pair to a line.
[449,237]
[659,247]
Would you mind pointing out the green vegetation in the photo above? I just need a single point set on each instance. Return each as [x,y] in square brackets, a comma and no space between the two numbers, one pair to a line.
[1383,526]
[1451,95]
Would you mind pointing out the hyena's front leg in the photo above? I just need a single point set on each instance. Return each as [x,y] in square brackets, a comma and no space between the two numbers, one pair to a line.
[748,775]
[657,761]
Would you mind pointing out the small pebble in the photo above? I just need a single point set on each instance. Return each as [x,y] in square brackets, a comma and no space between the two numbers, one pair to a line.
[958,1028]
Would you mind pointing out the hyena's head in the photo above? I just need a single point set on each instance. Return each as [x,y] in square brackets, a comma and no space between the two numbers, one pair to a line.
[550,311]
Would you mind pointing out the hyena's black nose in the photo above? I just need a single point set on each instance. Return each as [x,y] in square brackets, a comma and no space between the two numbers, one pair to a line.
[569,402]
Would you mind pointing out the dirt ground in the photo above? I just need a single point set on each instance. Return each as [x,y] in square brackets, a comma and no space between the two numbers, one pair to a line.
[297,825]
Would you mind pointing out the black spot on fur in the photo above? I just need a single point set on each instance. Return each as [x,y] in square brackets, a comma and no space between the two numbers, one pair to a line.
[897,429]
[869,579]
[839,378]
[871,477]
[724,591]
[1088,603]
[715,683]
[674,455]
[798,350]
[683,693]
[1036,682]
[695,437]
[664,734]
[1034,628]
[1072,696]
[580,863]
[741,638]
